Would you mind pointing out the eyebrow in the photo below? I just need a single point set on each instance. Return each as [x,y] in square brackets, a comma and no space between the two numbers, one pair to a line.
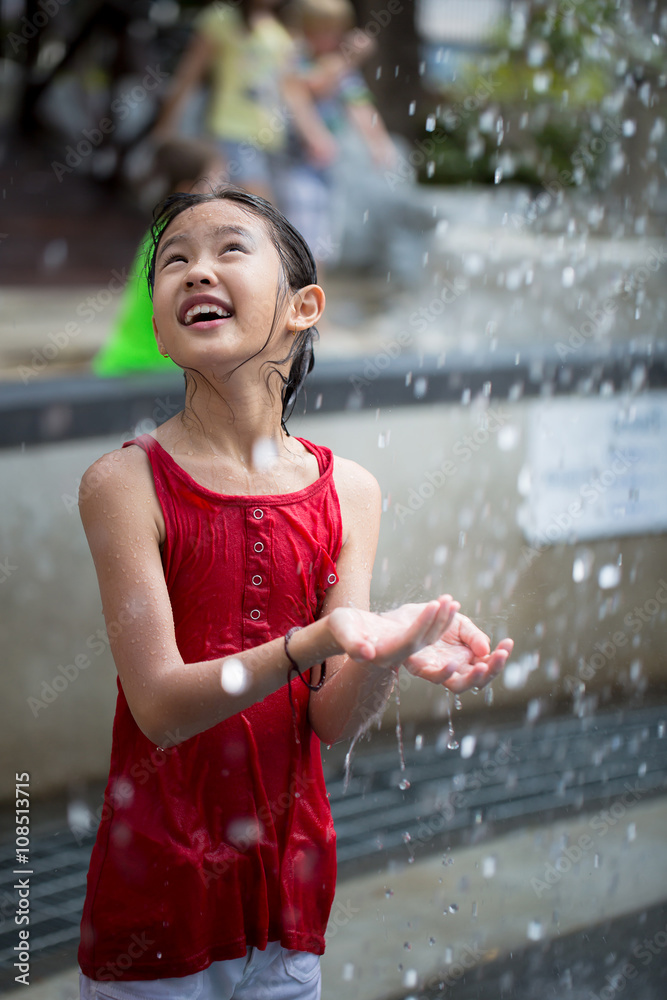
[218,231]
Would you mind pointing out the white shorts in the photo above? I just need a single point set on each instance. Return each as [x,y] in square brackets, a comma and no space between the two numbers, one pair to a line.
[273,974]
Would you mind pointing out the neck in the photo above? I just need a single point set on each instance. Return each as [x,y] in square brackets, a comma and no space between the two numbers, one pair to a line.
[229,419]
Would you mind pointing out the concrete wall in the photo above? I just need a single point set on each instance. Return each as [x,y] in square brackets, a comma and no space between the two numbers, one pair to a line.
[58,681]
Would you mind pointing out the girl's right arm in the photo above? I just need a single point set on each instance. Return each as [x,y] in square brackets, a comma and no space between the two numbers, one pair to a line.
[169,699]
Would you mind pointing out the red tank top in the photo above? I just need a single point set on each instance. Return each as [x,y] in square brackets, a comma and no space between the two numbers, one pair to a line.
[225,841]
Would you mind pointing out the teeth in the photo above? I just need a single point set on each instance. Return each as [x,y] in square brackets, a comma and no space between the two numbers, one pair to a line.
[205,307]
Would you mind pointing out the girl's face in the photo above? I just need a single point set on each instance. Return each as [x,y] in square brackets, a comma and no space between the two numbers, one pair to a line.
[218,280]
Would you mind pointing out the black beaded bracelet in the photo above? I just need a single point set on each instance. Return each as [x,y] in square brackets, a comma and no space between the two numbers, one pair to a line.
[295,666]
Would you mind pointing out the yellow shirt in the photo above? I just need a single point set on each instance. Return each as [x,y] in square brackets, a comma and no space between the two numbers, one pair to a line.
[246,101]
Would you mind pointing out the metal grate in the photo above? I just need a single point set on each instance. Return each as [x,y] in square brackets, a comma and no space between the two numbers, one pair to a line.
[545,770]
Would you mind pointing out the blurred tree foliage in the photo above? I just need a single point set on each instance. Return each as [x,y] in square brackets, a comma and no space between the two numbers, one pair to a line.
[546,103]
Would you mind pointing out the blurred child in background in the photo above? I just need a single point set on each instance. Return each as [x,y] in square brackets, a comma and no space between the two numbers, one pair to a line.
[247,55]
[328,68]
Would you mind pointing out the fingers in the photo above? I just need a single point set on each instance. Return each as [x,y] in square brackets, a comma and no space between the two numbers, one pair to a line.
[447,610]
[473,636]
[481,672]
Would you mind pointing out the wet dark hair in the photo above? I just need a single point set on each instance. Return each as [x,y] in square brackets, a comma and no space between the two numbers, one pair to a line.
[298,268]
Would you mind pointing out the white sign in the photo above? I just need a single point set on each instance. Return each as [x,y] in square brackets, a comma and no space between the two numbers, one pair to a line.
[596,468]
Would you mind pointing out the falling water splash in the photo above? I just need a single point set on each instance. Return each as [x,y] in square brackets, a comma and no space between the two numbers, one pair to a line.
[452,742]
[348,761]
[403,783]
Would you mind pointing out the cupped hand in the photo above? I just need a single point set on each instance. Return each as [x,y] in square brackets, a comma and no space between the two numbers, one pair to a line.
[391,638]
[460,659]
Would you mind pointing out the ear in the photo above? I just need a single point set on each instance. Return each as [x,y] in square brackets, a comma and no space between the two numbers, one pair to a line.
[307,307]
[158,338]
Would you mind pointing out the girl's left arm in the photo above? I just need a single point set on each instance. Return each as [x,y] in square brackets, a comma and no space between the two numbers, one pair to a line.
[446,648]
[353,691]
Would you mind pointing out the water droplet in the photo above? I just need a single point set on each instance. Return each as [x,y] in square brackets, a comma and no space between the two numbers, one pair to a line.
[631,832]
[412,107]
[567,277]
[233,677]
[431,941]
[410,978]
[264,454]
[629,127]
[404,784]
[535,931]
[452,742]
[419,742]
[609,576]
[452,908]
[581,567]
[348,971]
[661,730]
[430,123]
[159,954]
[407,946]
[406,837]
[420,387]
[389,893]
[468,744]
[489,867]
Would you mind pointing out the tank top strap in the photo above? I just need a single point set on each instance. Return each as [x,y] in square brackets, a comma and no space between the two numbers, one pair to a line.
[147,443]
[323,455]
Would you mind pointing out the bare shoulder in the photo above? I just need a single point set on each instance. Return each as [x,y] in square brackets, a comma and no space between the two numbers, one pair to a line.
[120,484]
[111,472]
[357,488]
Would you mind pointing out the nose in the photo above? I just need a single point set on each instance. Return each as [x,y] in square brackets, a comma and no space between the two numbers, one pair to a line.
[201,272]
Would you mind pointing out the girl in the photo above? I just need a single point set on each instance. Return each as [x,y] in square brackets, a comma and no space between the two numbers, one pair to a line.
[234,562]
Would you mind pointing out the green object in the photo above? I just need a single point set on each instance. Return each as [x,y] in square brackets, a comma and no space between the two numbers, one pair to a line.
[131,347]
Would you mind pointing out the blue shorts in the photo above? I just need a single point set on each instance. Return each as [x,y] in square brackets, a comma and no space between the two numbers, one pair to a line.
[248,164]
[273,974]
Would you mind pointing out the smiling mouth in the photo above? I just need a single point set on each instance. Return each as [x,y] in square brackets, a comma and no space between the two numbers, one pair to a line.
[205,312]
